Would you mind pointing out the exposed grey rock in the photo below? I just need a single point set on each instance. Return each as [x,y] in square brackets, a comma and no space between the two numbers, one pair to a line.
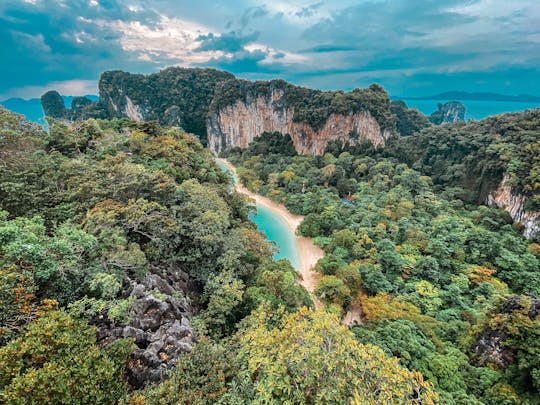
[138,291]
[173,116]
[514,203]
[452,111]
[159,326]
[490,347]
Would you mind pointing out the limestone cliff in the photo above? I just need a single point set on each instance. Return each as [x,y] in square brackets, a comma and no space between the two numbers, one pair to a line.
[174,96]
[231,112]
[514,204]
[237,124]
[452,111]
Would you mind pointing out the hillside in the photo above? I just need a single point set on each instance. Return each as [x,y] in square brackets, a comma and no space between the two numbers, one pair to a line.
[174,96]
[225,112]
[472,159]
[242,111]
[447,288]
[129,272]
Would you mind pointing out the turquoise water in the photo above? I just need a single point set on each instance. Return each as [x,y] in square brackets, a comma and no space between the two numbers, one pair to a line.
[476,110]
[274,228]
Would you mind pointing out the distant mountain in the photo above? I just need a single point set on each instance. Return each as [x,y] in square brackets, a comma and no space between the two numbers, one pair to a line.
[32,109]
[463,95]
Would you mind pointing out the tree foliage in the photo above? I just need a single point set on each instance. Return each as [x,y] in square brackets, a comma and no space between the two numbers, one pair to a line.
[56,361]
[308,358]
[423,266]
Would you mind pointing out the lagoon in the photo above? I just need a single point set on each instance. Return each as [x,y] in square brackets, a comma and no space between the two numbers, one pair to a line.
[274,227]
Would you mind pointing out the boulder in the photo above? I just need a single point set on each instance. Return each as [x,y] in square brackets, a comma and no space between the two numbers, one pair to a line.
[160,326]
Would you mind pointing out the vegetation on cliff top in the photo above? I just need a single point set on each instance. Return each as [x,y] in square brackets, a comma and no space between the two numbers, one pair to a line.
[81,107]
[451,111]
[190,90]
[310,106]
[187,97]
[475,155]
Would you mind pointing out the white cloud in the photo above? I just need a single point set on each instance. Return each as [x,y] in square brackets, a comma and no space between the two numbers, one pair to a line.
[305,12]
[274,56]
[172,39]
[499,9]
[176,41]
[504,25]
[67,88]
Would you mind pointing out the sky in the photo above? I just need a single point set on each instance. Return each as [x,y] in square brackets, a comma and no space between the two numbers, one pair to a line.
[411,47]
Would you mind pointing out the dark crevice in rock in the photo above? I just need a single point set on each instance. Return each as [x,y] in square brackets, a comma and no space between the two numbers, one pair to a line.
[160,326]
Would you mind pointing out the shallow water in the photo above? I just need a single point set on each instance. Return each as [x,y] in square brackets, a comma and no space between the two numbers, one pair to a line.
[275,228]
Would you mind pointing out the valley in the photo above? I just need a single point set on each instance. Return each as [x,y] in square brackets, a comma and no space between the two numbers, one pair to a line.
[261,202]
[300,251]
[402,247]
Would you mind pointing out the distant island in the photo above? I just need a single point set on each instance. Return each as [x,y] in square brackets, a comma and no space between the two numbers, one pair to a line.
[463,95]
[31,108]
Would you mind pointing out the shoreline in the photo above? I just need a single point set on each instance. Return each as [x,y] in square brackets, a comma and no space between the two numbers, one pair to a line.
[309,253]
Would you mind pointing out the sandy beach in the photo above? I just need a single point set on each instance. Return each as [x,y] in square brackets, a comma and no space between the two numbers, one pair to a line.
[309,253]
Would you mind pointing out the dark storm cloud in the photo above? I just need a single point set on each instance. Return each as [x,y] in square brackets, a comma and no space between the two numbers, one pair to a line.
[408,46]
[228,42]
[48,41]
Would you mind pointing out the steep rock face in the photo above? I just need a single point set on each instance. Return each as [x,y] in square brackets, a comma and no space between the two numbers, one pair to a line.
[53,104]
[132,111]
[452,111]
[238,124]
[503,197]
[174,96]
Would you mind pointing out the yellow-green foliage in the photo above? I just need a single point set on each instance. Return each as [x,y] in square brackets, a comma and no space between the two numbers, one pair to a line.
[309,358]
[56,361]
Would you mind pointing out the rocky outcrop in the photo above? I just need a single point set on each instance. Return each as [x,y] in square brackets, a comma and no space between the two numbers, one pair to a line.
[491,346]
[173,116]
[132,111]
[452,111]
[159,325]
[238,124]
[174,96]
[231,111]
[514,204]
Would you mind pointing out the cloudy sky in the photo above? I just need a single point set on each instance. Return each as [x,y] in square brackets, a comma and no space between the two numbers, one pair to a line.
[412,47]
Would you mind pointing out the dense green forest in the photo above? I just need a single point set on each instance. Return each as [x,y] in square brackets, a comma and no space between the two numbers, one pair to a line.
[448,288]
[473,156]
[174,96]
[130,273]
